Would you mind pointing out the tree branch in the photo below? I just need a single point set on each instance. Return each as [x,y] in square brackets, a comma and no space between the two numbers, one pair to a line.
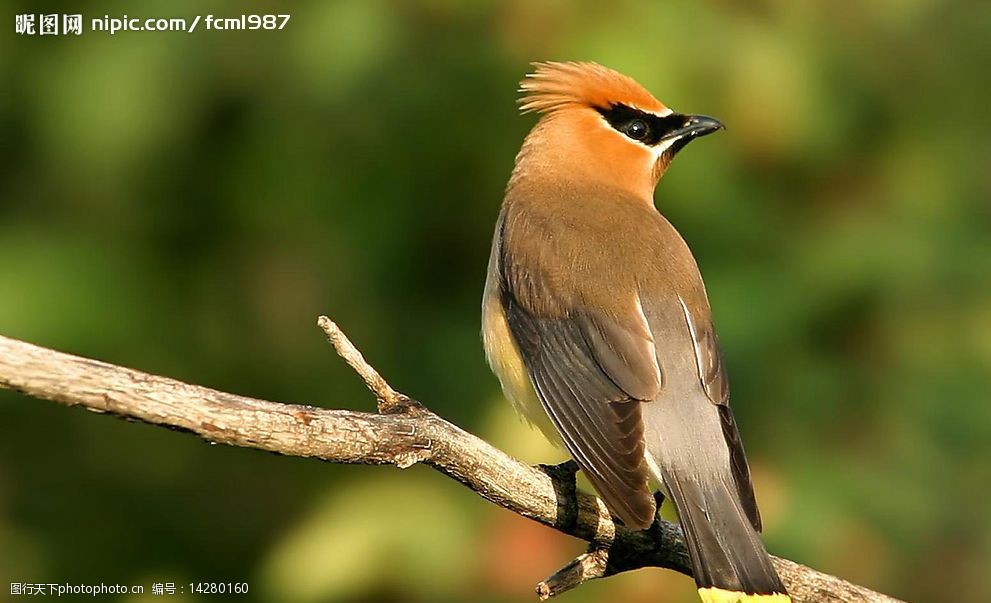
[402,434]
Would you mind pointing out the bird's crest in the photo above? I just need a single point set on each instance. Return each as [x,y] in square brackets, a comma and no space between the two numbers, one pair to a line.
[554,86]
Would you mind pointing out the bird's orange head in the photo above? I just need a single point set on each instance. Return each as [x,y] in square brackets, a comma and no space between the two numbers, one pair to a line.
[601,125]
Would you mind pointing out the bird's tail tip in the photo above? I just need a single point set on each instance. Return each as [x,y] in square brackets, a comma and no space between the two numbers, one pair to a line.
[719,595]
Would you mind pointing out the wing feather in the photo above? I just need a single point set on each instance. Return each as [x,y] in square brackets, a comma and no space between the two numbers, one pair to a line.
[712,374]
[598,420]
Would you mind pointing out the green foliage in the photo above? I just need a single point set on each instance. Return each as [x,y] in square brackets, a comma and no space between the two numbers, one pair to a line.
[187,204]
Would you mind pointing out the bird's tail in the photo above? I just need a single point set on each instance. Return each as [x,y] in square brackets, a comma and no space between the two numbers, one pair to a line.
[728,556]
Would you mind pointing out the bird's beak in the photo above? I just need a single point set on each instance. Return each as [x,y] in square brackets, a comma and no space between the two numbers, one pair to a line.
[695,126]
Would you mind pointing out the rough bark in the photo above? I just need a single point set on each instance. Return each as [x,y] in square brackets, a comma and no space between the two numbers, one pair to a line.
[402,433]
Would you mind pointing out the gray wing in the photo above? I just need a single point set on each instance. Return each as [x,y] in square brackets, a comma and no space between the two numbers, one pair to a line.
[716,384]
[591,377]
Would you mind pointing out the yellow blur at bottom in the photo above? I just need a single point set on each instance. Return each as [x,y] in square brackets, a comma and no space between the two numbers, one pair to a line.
[718,595]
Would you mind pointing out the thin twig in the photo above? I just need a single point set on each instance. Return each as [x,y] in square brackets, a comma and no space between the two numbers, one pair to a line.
[587,566]
[388,398]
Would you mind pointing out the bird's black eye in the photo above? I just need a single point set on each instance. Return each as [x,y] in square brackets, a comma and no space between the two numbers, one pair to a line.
[637,129]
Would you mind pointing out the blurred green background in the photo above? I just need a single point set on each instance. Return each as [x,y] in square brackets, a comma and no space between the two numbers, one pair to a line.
[187,204]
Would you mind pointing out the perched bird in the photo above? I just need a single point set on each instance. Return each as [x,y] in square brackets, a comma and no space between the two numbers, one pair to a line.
[597,324]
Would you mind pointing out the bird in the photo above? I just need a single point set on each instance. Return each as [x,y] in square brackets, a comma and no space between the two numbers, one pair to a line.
[597,323]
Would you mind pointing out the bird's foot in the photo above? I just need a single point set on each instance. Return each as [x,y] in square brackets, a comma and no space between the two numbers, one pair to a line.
[658,499]
[564,476]
[562,471]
